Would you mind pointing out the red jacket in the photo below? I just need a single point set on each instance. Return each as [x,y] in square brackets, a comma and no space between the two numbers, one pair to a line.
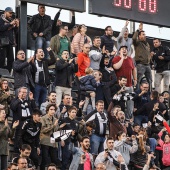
[83,63]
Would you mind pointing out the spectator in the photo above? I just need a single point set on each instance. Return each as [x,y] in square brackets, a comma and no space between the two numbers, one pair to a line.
[5,97]
[12,166]
[108,78]
[142,97]
[116,120]
[123,145]
[161,57]
[124,66]
[85,129]
[107,42]
[42,79]
[124,40]
[147,107]
[51,167]
[119,90]
[79,40]
[139,158]
[22,110]
[82,152]
[74,32]
[5,133]
[25,152]
[100,166]
[31,135]
[100,119]
[65,69]
[165,146]
[49,125]
[8,30]
[142,55]
[88,88]
[70,124]
[111,158]
[22,164]
[83,60]
[57,23]
[40,28]
[60,42]
[99,88]
[66,104]
[95,53]
[23,71]
[52,99]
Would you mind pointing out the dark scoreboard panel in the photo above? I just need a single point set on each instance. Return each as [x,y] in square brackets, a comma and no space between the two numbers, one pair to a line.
[76,5]
[154,12]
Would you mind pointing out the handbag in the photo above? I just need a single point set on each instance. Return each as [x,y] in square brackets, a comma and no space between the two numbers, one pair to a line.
[4,41]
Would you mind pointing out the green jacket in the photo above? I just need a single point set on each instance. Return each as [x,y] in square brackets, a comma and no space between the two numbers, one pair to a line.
[5,134]
[55,44]
[47,130]
[5,100]
[142,50]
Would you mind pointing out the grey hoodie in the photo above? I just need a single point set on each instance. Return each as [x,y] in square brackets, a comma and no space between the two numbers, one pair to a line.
[126,149]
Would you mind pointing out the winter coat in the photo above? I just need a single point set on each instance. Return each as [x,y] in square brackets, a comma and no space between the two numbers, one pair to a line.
[88,83]
[5,100]
[5,133]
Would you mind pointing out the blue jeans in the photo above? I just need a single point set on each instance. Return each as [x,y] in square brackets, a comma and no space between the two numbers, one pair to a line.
[40,94]
[96,143]
[153,144]
[143,70]
[41,43]
[140,118]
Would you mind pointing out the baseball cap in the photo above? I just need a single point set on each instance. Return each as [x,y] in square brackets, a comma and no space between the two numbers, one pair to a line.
[8,9]
[123,47]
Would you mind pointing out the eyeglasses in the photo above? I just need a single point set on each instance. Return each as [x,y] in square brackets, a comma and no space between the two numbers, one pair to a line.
[23,163]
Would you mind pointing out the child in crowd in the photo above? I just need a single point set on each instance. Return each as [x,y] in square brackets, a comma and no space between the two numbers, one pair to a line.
[123,146]
[166,149]
[88,87]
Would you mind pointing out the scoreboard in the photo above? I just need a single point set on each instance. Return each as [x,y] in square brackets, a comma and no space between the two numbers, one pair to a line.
[154,12]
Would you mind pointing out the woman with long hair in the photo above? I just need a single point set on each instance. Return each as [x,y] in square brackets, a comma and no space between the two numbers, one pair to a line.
[79,40]
[5,97]
[123,145]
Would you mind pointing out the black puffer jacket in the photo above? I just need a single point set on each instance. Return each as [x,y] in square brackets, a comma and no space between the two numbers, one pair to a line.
[35,22]
[88,83]
[161,65]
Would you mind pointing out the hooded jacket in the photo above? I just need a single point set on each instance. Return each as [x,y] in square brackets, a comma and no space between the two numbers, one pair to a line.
[88,83]
[125,149]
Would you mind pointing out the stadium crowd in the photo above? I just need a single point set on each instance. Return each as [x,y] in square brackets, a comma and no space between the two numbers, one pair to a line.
[118,122]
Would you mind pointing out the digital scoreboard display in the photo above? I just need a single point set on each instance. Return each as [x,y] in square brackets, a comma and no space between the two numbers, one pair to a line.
[154,12]
[150,6]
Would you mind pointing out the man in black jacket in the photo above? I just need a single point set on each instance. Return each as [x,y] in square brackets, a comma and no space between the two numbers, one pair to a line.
[161,58]
[40,28]
[30,134]
[57,23]
[65,68]
[42,79]
[8,29]
[23,71]
[22,110]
